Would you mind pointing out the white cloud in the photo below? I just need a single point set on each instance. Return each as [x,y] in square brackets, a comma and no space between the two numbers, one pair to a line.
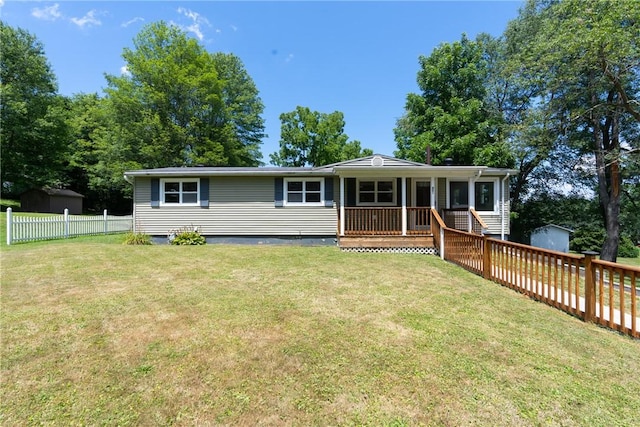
[289,58]
[234,28]
[88,20]
[132,21]
[197,19]
[50,13]
[124,71]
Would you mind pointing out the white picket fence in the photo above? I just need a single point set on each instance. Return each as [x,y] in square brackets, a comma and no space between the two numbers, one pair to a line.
[24,228]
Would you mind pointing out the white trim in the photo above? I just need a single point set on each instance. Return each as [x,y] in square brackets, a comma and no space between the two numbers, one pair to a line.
[342,195]
[180,181]
[285,192]
[376,203]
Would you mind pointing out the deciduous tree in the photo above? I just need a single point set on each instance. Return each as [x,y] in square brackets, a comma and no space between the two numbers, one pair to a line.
[33,116]
[451,115]
[311,138]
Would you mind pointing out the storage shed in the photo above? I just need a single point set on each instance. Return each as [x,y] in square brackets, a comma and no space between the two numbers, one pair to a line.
[553,237]
[51,200]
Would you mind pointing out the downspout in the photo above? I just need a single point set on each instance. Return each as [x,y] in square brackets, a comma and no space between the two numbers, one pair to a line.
[502,218]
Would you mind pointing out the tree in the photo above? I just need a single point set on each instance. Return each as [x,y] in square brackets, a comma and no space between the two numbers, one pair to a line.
[177,105]
[451,115]
[243,111]
[590,57]
[311,138]
[33,131]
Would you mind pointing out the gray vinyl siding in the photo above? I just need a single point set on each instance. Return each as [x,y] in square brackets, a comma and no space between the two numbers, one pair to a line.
[239,206]
[442,194]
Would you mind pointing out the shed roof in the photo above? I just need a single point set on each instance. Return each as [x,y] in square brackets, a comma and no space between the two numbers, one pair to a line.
[559,227]
[56,192]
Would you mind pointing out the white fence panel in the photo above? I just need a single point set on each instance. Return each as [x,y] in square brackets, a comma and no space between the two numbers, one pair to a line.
[24,228]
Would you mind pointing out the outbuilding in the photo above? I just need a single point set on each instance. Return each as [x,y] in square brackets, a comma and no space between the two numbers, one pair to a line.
[51,200]
[553,237]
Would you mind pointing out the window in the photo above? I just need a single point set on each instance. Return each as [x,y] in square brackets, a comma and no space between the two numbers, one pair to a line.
[303,191]
[179,191]
[459,194]
[484,192]
[485,196]
[376,192]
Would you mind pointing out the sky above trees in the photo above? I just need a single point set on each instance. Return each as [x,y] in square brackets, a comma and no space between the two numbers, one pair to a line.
[360,58]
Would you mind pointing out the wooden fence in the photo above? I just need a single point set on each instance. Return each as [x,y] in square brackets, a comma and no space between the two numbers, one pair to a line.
[25,227]
[595,291]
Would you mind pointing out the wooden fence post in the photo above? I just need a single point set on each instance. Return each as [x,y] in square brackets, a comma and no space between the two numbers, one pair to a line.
[589,287]
[9,225]
[486,259]
[106,222]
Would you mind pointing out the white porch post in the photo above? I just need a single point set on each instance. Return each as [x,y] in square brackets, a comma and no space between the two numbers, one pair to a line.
[472,200]
[342,205]
[433,193]
[404,206]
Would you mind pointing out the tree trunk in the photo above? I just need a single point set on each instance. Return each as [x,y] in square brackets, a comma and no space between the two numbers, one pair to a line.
[606,141]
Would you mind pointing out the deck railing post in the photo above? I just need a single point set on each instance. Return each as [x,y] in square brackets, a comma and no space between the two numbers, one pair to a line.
[441,242]
[589,287]
[66,223]
[486,259]
[9,225]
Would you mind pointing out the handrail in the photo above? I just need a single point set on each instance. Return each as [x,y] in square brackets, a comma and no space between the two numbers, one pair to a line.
[477,217]
[437,217]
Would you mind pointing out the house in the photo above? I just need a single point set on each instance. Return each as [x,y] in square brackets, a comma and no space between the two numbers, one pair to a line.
[552,237]
[371,202]
[51,200]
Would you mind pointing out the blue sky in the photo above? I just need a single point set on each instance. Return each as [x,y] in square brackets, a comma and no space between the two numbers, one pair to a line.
[357,57]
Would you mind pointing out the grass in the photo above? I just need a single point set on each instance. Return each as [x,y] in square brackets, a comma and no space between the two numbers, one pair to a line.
[100,333]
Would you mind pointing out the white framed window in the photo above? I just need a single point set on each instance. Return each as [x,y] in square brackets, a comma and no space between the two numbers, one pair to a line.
[304,191]
[379,192]
[179,191]
[485,195]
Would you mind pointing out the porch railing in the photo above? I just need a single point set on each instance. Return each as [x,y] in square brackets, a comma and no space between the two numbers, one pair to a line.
[373,221]
[418,221]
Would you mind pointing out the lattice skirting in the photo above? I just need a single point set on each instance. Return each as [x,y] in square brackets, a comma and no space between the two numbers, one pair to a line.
[425,251]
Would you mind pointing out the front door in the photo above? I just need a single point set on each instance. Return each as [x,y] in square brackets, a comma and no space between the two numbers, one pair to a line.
[422,201]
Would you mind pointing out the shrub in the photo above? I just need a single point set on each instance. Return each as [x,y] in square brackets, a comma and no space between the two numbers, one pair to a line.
[626,249]
[186,236]
[132,238]
[587,239]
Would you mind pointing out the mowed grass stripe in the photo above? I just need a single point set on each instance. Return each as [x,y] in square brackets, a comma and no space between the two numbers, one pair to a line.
[97,333]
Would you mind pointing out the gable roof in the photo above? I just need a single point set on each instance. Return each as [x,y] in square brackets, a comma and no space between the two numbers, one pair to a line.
[378,164]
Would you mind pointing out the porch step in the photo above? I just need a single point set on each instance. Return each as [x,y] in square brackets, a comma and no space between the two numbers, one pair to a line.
[386,241]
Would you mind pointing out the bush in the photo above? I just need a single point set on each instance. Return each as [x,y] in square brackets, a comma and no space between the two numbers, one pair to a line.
[132,238]
[186,236]
[626,249]
[587,239]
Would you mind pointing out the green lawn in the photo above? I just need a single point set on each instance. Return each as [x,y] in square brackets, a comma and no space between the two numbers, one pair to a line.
[94,332]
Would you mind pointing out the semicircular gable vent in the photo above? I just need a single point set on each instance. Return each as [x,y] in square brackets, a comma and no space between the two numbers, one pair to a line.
[377,161]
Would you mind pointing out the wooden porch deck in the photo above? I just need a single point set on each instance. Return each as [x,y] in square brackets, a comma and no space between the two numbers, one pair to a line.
[386,242]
